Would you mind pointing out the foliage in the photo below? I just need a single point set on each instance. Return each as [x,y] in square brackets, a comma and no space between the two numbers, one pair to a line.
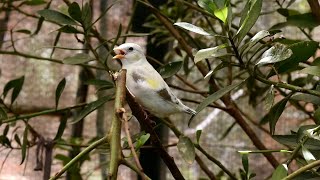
[258,63]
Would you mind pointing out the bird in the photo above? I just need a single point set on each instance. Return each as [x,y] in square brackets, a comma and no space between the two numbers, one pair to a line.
[146,85]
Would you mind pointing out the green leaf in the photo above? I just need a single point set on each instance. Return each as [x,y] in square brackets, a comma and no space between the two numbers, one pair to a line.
[287,12]
[3,114]
[24,31]
[227,131]
[312,70]
[306,20]
[24,144]
[16,85]
[208,52]
[6,130]
[34,2]
[77,59]
[292,141]
[222,14]
[245,162]
[276,53]
[68,29]
[62,126]
[249,17]
[17,139]
[86,16]
[170,69]
[307,98]
[214,97]
[192,28]
[65,159]
[307,155]
[75,11]
[59,90]
[91,107]
[317,115]
[186,148]
[99,82]
[142,140]
[198,134]
[269,99]
[55,16]
[280,172]
[275,112]
[255,39]
[208,5]
[302,51]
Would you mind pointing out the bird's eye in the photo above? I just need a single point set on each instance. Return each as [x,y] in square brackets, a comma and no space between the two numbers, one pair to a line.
[130,48]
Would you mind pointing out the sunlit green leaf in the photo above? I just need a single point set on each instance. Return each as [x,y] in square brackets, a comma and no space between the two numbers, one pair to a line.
[214,97]
[77,59]
[192,28]
[280,172]
[207,53]
[55,16]
[170,69]
[91,107]
[277,53]
[222,14]
[249,17]
[186,148]
[142,140]
[59,90]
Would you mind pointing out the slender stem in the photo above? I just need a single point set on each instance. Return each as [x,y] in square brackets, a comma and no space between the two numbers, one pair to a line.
[133,151]
[49,111]
[115,131]
[204,167]
[303,169]
[297,149]
[79,156]
[266,151]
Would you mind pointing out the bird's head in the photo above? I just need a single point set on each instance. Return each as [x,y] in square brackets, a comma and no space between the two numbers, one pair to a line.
[129,53]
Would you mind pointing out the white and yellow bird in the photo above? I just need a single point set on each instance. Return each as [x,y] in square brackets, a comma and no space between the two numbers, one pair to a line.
[146,84]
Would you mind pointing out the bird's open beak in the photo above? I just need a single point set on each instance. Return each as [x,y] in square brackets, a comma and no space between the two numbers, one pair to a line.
[120,53]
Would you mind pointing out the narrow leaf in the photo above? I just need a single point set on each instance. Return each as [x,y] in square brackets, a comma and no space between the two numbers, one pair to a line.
[91,107]
[312,70]
[16,85]
[214,97]
[245,162]
[307,98]
[269,99]
[192,28]
[186,148]
[249,18]
[280,172]
[24,144]
[207,53]
[3,114]
[170,69]
[17,139]
[277,53]
[317,115]
[24,31]
[62,126]
[198,134]
[142,140]
[275,112]
[254,40]
[77,59]
[68,29]
[59,90]
[86,15]
[292,141]
[56,16]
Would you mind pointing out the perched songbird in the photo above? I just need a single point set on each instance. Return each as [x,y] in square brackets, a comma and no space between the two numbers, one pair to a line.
[146,84]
